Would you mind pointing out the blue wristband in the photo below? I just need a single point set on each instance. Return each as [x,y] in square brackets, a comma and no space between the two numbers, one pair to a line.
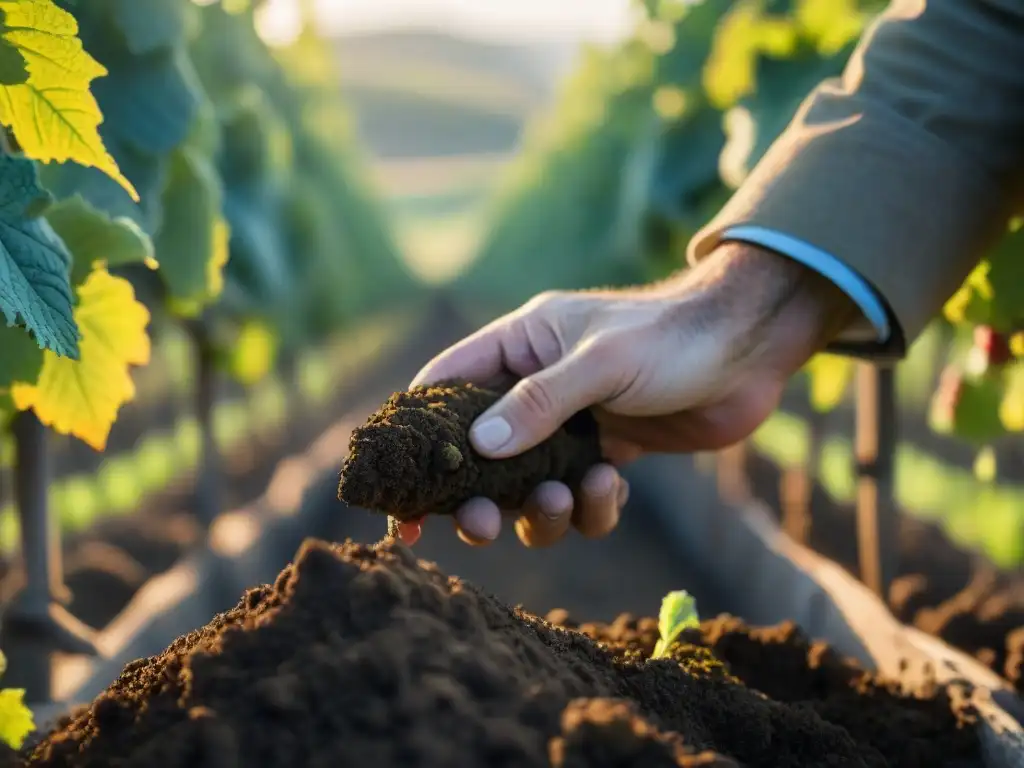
[825,264]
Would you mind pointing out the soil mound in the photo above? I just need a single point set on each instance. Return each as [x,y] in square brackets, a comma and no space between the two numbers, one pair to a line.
[364,656]
[413,456]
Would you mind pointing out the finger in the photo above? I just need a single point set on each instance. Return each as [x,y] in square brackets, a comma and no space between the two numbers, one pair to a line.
[502,347]
[623,494]
[410,532]
[619,452]
[546,516]
[538,405]
[476,358]
[478,521]
[598,505]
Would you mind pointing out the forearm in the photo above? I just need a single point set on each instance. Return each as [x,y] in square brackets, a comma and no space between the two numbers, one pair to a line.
[907,168]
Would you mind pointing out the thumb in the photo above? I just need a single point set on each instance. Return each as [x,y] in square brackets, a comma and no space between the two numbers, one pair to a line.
[537,406]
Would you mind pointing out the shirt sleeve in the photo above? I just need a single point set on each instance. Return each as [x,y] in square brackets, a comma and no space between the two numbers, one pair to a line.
[908,167]
[872,329]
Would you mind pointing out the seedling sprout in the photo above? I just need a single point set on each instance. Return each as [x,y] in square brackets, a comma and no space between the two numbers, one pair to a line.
[678,612]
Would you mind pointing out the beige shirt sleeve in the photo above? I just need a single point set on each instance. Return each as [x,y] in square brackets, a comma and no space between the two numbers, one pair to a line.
[909,166]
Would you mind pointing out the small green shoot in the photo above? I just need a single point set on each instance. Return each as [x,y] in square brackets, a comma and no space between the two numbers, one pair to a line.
[15,718]
[678,612]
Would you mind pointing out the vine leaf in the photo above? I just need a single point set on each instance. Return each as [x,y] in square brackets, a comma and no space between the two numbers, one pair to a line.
[93,236]
[830,377]
[253,353]
[53,114]
[15,718]
[34,262]
[83,397]
[194,251]
[151,101]
[13,67]
[22,357]
[150,25]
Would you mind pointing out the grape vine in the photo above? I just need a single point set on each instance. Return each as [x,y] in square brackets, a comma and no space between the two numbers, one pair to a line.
[651,137]
[163,164]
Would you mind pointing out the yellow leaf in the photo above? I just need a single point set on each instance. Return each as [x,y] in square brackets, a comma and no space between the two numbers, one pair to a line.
[15,718]
[219,259]
[1017,344]
[670,102]
[830,378]
[53,114]
[82,397]
[1011,408]
[253,353]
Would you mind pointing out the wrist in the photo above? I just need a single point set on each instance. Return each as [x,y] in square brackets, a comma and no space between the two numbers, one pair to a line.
[779,313]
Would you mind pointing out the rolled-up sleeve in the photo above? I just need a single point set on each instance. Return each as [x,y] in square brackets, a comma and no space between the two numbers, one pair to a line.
[902,172]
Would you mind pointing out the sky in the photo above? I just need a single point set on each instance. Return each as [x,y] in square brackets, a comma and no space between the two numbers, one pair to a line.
[512,20]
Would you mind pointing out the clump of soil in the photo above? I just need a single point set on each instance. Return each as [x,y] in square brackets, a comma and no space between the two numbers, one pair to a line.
[364,656]
[413,456]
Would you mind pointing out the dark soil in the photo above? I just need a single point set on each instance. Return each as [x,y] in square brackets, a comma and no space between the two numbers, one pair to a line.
[361,656]
[413,456]
[107,564]
[942,589]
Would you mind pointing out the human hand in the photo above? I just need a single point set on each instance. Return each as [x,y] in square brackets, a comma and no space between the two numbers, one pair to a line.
[692,364]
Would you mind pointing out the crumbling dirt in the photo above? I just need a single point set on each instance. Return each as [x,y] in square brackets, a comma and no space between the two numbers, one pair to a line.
[363,656]
[413,456]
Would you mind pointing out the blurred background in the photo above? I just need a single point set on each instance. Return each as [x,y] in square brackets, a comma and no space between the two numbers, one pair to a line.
[482,151]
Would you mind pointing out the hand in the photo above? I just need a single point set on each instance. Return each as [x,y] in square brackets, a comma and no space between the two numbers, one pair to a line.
[692,364]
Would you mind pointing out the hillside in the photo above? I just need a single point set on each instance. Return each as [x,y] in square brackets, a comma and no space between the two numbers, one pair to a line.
[428,94]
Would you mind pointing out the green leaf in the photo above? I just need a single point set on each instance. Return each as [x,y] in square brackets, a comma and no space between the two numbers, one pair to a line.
[684,65]
[149,25]
[678,612]
[22,359]
[146,172]
[191,245]
[34,287]
[973,413]
[149,101]
[53,114]
[13,67]
[92,236]
[782,85]
[687,165]
[257,265]
[256,143]
[1005,274]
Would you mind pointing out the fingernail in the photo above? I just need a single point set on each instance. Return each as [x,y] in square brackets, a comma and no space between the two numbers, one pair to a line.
[550,505]
[599,484]
[492,434]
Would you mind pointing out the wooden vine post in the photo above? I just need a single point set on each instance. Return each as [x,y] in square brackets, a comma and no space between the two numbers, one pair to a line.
[208,475]
[877,521]
[35,623]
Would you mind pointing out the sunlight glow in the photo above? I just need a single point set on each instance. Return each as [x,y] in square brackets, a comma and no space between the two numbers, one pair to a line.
[278,22]
[560,20]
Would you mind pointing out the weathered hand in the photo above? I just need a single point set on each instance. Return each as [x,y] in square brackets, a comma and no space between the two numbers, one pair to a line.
[695,363]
